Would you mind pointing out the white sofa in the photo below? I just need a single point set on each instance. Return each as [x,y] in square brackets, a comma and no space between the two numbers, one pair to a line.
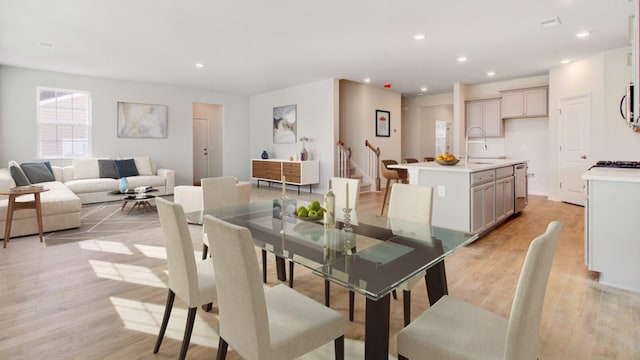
[60,208]
[75,185]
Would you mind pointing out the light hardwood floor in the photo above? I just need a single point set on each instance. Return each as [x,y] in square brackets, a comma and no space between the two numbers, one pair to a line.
[103,299]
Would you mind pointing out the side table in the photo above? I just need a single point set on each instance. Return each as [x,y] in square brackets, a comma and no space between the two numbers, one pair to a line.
[12,206]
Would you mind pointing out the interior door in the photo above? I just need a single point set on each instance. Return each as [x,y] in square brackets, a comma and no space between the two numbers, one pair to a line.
[575,146]
[200,149]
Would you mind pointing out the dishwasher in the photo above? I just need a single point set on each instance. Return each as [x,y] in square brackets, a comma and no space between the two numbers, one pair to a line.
[521,187]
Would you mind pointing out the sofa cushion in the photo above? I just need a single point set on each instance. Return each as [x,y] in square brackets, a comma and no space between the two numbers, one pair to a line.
[82,186]
[126,168]
[18,174]
[146,180]
[38,172]
[58,200]
[107,169]
[85,168]
[143,164]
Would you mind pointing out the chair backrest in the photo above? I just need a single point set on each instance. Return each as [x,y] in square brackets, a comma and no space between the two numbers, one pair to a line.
[339,188]
[526,311]
[218,192]
[392,173]
[410,160]
[411,202]
[183,274]
[242,307]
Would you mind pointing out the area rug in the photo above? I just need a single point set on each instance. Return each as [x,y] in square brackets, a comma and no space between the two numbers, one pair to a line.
[104,220]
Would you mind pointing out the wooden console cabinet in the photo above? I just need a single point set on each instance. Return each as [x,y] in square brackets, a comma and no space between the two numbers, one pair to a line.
[295,172]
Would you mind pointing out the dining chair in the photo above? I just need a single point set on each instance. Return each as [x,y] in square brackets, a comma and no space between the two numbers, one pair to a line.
[193,281]
[259,323]
[399,175]
[455,329]
[410,160]
[217,192]
[429,158]
[413,203]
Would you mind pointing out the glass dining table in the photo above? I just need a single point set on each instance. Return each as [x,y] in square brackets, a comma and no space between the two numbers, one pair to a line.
[365,253]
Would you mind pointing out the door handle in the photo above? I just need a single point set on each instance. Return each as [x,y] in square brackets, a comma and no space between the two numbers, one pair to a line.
[583,157]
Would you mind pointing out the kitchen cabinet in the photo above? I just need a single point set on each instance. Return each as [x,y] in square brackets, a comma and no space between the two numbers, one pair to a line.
[504,198]
[485,114]
[483,215]
[295,172]
[522,103]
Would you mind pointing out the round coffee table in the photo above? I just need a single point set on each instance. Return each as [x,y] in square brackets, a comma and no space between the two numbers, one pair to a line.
[138,202]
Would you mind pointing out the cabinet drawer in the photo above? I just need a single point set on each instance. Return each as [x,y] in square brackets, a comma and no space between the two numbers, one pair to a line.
[504,172]
[482,177]
[265,170]
[292,172]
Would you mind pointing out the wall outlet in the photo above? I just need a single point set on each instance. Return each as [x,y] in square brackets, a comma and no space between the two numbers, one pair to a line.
[531,175]
[441,190]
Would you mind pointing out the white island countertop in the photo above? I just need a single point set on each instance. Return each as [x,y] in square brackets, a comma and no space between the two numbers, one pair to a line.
[474,165]
[612,174]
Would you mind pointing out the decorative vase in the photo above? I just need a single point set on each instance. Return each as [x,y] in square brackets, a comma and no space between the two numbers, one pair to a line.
[265,154]
[124,185]
[304,155]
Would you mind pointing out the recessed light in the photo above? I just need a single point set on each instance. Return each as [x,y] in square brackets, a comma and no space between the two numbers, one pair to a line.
[47,45]
[367,80]
[491,73]
[565,61]
[419,36]
[423,89]
[583,34]
[462,59]
[199,65]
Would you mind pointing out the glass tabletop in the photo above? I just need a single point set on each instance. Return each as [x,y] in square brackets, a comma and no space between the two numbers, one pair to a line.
[376,256]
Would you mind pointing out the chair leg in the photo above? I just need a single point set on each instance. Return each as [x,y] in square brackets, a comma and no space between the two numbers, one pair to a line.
[165,320]
[222,349]
[352,300]
[384,200]
[191,317]
[264,266]
[327,293]
[406,299]
[395,294]
[207,307]
[205,250]
[339,347]
[291,274]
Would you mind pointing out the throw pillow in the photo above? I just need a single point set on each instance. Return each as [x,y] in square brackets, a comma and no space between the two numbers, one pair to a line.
[143,164]
[107,169]
[38,172]
[126,168]
[18,174]
[85,168]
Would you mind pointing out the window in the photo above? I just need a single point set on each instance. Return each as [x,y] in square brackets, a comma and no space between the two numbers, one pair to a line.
[64,123]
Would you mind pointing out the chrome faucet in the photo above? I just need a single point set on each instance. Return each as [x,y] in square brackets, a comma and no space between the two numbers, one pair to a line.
[467,142]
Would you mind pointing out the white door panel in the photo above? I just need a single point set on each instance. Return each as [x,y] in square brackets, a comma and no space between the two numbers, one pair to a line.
[575,146]
[200,149]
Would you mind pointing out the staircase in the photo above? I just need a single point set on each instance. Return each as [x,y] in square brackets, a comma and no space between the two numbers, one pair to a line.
[348,169]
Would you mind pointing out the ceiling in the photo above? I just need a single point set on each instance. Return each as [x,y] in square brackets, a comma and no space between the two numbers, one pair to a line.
[255,46]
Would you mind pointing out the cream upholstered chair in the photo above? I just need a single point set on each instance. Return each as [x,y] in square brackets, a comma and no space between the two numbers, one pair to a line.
[193,281]
[276,323]
[455,329]
[217,192]
[413,203]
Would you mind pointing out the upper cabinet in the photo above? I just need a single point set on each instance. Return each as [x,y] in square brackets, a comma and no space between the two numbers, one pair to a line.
[525,103]
[485,114]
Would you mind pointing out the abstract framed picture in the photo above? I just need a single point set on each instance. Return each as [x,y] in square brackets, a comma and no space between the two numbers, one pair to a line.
[142,120]
[383,123]
[284,124]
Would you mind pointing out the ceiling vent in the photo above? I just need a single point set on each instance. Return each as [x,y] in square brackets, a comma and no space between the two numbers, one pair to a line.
[550,22]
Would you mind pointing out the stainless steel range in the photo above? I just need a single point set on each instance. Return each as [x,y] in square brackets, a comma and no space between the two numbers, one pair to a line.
[618,164]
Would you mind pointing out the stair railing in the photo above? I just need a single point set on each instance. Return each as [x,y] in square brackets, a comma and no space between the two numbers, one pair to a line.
[373,163]
[344,160]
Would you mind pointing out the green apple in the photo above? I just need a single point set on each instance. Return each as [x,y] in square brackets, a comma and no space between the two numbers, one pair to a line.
[321,212]
[302,212]
[313,213]
[315,205]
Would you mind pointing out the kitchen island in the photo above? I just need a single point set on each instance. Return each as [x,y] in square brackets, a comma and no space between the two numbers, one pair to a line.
[474,196]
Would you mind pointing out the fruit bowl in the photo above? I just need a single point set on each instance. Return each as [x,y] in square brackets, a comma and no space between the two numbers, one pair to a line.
[309,218]
[448,162]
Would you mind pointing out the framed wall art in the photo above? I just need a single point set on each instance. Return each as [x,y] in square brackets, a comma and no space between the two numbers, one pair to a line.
[284,124]
[142,120]
[383,123]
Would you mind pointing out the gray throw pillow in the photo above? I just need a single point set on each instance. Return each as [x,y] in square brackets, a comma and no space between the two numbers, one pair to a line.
[126,168]
[37,172]
[18,175]
[107,169]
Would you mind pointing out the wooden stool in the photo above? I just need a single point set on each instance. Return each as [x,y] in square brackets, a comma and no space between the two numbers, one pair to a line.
[12,206]
[399,175]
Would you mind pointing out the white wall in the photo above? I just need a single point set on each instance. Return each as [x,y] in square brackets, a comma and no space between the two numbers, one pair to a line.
[358,105]
[412,121]
[316,119]
[605,76]
[18,120]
